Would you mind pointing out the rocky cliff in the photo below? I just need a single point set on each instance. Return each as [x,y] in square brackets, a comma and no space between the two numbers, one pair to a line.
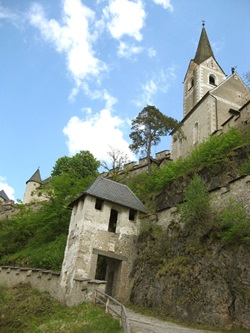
[185,271]
[193,281]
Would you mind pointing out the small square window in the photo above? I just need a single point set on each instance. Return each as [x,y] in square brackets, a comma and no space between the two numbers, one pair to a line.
[98,204]
[132,214]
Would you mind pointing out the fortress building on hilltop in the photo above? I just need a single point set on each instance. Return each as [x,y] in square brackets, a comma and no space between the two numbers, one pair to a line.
[213,102]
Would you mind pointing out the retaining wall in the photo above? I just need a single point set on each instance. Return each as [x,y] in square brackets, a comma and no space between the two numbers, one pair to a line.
[237,189]
[44,280]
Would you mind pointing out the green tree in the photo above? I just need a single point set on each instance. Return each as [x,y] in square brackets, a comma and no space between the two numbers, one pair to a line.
[148,128]
[246,78]
[37,237]
[71,175]
[80,165]
[195,211]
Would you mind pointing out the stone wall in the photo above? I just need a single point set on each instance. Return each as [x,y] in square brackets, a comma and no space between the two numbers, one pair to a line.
[8,210]
[82,289]
[238,189]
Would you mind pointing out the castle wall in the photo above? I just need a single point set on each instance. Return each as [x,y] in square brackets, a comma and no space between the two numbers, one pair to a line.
[43,280]
[238,189]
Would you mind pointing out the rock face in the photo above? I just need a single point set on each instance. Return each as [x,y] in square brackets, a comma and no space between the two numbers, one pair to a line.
[187,272]
[195,282]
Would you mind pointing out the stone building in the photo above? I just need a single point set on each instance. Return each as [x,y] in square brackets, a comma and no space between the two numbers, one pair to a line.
[33,185]
[210,99]
[102,237]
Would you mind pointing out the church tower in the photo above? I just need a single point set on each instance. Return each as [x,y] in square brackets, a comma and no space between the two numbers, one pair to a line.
[203,74]
[210,100]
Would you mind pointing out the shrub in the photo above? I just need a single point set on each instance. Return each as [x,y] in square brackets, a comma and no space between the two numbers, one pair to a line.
[235,223]
[245,168]
[196,206]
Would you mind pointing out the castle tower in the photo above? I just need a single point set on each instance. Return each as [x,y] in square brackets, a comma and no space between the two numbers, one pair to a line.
[102,237]
[32,185]
[203,74]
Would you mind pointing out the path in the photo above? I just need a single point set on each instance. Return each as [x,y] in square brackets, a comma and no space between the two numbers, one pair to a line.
[145,324]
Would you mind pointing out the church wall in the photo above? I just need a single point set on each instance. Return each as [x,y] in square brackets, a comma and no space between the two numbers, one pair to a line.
[190,86]
[233,92]
[196,128]
[223,112]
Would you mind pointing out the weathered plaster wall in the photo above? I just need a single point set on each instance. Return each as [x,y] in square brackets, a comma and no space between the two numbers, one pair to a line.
[88,236]
[82,289]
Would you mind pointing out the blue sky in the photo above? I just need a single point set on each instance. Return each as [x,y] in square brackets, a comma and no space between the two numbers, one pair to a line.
[74,73]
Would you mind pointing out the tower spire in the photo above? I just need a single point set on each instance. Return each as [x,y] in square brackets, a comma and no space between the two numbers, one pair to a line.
[204,49]
[36,177]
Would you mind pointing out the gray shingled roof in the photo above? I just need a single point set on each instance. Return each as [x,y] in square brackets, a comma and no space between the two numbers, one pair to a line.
[4,195]
[112,191]
[204,50]
[36,177]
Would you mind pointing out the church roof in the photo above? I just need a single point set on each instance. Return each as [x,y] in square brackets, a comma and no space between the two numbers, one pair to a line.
[4,195]
[112,191]
[204,49]
[36,177]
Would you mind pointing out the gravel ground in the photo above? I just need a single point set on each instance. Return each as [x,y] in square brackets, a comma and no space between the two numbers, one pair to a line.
[144,324]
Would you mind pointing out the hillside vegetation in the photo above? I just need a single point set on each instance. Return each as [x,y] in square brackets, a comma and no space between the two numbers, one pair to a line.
[197,269]
[37,237]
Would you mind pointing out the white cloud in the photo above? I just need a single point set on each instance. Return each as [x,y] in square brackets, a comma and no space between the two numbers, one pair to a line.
[126,50]
[127,18]
[73,37]
[159,82]
[7,188]
[7,14]
[166,4]
[151,52]
[96,134]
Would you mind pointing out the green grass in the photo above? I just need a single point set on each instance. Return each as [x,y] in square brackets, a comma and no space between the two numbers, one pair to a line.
[25,310]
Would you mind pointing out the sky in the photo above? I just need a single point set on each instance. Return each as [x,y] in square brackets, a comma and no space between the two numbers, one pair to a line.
[75,73]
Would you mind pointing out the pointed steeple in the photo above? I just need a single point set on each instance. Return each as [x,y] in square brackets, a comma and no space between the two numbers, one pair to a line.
[203,74]
[204,50]
[4,196]
[36,177]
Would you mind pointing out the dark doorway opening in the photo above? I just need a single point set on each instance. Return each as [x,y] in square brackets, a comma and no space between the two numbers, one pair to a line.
[101,268]
[108,269]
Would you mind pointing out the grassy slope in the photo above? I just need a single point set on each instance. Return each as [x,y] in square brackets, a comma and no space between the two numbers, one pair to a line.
[23,310]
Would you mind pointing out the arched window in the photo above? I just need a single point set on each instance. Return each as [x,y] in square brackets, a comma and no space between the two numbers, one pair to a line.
[190,83]
[195,133]
[212,80]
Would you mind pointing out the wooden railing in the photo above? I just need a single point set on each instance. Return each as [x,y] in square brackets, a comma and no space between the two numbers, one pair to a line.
[112,305]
